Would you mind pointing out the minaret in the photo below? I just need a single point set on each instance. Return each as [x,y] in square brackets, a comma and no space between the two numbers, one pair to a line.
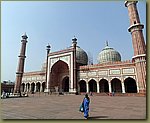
[139,47]
[20,69]
[74,44]
[48,47]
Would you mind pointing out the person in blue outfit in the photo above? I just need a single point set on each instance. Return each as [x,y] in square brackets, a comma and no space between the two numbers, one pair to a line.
[86,102]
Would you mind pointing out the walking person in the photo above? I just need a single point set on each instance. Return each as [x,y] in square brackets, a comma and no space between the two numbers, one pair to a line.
[86,102]
[91,93]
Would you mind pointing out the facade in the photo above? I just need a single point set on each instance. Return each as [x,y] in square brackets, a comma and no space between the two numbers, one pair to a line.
[7,87]
[67,71]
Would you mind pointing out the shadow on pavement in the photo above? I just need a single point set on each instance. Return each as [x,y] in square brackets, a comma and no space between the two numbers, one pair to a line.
[97,117]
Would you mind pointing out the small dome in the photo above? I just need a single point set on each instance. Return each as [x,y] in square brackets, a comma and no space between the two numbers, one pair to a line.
[81,56]
[108,54]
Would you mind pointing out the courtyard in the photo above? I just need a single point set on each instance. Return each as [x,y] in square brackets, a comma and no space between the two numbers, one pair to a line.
[44,106]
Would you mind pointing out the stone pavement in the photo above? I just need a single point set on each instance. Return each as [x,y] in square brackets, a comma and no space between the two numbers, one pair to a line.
[67,107]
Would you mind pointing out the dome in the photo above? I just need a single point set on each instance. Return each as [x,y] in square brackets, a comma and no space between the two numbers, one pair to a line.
[81,56]
[108,54]
[43,68]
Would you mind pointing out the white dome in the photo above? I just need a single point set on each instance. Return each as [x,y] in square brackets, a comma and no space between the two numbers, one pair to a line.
[108,54]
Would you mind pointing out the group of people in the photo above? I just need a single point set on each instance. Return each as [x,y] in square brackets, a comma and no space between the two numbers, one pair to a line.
[4,95]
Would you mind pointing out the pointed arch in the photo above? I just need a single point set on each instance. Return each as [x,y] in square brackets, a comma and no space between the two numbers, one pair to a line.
[92,85]
[116,85]
[103,85]
[32,87]
[23,87]
[65,84]
[58,71]
[38,85]
[82,85]
[43,86]
[130,85]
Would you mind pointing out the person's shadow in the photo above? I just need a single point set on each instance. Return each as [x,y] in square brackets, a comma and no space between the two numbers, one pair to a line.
[97,117]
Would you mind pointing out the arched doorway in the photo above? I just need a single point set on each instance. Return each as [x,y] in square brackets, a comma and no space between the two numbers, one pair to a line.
[116,85]
[58,71]
[65,84]
[43,86]
[103,85]
[130,85]
[82,85]
[92,86]
[23,87]
[32,87]
[38,85]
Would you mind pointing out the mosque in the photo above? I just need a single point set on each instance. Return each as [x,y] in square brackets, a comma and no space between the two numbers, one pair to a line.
[68,72]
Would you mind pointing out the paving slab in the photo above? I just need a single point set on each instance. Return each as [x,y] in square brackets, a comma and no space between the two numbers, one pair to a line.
[67,107]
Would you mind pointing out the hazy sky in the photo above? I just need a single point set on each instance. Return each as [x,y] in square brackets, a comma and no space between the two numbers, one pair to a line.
[56,23]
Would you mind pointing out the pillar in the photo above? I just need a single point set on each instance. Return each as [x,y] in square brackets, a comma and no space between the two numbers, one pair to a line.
[20,69]
[30,88]
[109,83]
[47,73]
[25,87]
[97,87]
[41,87]
[87,87]
[75,87]
[35,88]
[123,88]
[139,58]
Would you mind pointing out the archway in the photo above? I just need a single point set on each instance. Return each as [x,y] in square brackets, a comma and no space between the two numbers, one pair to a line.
[58,71]
[32,87]
[92,86]
[116,85]
[23,87]
[130,85]
[103,85]
[43,86]
[38,85]
[65,84]
[82,85]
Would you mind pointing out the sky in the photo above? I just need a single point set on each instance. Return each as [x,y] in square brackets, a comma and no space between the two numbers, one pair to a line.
[56,23]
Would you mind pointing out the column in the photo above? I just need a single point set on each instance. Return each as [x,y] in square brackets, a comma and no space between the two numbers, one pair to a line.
[35,88]
[123,88]
[25,87]
[74,43]
[30,88]
[47,86]
[110,91]
[97,87]
[87,87]
[40,87]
